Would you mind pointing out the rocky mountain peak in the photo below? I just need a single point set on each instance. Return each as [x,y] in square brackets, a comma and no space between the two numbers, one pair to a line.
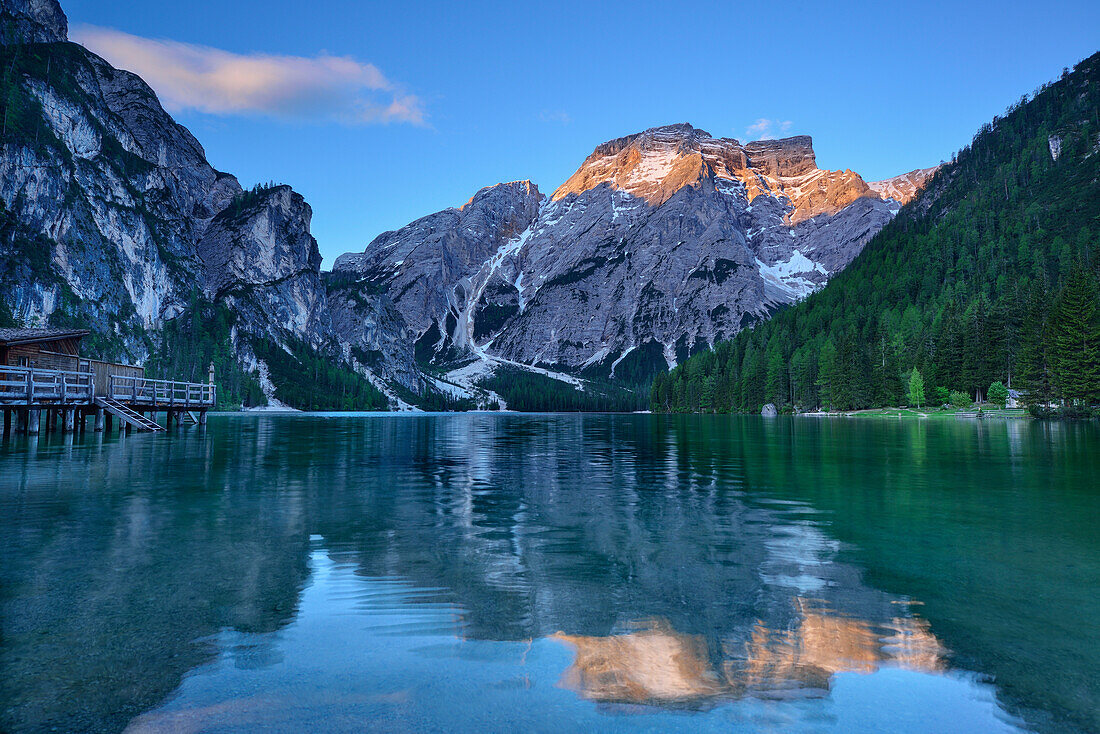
[905,187]
[32,21]
[654,164]
[682,134]
[792,156]
[524,190]
[661,242]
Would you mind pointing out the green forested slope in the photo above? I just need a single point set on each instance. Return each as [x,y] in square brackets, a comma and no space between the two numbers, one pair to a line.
[990,274]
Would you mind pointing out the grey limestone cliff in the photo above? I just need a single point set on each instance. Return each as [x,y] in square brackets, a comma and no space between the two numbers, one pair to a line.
[660,244]
[113,217]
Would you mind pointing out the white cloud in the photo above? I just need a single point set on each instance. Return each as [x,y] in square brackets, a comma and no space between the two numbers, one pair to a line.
[559,116]
[187,76]
[765,129]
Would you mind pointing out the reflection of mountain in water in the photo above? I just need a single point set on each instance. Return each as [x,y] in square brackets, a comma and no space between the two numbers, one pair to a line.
[126,557]
[583,531]
[117,572]
[658,665]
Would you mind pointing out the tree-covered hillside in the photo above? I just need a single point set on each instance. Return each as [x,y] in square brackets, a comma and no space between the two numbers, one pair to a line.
[991,274]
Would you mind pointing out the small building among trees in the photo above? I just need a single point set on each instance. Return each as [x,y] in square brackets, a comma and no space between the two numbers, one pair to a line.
[59,349]
[50,349]
[43,373]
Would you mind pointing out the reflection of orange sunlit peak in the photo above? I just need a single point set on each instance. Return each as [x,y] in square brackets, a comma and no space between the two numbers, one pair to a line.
[661,666]
[824,643]
[806,656]
[652,666]
[913,646]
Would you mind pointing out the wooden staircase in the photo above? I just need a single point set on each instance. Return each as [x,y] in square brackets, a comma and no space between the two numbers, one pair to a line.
[124,413]
[189,417]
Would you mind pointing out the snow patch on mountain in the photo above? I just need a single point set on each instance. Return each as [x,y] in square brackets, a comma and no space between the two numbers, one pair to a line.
[787,275]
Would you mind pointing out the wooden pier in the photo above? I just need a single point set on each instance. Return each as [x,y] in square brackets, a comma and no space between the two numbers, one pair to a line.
[45,385]
[39,400]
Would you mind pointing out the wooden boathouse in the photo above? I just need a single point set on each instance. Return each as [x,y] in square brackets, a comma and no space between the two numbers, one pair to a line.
[45,385]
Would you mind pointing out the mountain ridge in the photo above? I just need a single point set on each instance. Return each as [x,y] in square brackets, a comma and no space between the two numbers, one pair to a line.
[599,216]
[989,275]
[660,244]
[113,219]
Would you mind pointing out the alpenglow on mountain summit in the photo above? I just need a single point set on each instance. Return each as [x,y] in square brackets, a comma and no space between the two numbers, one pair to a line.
[660,244]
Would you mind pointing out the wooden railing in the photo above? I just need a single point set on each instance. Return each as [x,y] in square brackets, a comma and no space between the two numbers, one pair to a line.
[164,393]
[33,386]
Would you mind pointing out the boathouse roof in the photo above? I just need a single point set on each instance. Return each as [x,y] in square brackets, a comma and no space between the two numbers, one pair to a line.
[11,337]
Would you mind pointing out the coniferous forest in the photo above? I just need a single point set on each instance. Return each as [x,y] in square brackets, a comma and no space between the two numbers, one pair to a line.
[990,275]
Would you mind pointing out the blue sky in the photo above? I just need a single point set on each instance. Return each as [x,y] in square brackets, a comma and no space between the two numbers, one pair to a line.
[379,113]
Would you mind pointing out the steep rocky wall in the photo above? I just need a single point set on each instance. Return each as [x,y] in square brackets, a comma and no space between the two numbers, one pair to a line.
[660,244]
[114,219]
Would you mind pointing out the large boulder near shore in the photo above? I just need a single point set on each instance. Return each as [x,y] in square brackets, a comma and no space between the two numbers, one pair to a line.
[769,411]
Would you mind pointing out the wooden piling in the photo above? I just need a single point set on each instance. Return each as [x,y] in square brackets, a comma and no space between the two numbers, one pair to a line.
[7,421]
[99,420]
[32,422]
[68,420]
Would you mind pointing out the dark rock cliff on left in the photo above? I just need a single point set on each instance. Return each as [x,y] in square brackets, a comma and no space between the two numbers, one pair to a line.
[32,21]
[112,217]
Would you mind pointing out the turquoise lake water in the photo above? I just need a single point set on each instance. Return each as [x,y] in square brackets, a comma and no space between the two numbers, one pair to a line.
[557,573]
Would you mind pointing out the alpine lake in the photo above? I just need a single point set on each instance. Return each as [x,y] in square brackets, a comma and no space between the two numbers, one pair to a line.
[552,573]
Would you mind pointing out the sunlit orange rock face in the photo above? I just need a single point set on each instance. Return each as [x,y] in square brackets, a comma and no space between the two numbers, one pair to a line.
[661,666]
[905,187]
[655,164]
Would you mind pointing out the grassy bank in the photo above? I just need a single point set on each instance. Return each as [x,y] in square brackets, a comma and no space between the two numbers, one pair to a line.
[983,411]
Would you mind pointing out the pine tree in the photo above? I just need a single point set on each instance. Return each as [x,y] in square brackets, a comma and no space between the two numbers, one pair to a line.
[1035,364]
[998,393]
[776,380]
[827,373]
[1076,342]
